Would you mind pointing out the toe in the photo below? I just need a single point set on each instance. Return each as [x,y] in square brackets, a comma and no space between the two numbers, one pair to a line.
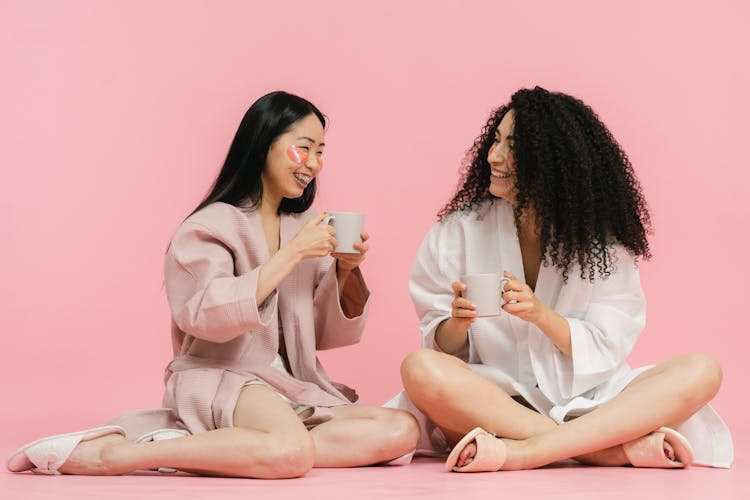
[467,454]
[668,451]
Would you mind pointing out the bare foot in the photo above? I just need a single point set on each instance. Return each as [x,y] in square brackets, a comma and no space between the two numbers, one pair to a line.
[669,451]
[467,454]
[94,457]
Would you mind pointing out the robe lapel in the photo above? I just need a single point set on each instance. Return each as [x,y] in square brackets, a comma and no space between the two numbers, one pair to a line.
[288,317]
[509,244]
[513,262]
[300,349]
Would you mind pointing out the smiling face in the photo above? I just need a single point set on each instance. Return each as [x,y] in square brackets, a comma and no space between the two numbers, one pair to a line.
[294,159]
[501,160]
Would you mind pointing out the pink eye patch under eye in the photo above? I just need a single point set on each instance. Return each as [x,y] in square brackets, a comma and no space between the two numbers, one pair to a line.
[300,157]
[297,155]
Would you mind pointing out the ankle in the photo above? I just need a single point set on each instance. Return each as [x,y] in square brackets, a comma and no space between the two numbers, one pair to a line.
[522,454]
[114,457]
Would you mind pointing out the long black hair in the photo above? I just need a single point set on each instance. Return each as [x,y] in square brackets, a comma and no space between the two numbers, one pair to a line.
[240,177]
[571,173]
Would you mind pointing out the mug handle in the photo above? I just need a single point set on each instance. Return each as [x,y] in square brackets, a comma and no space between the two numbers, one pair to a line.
[503,282]
[327,219]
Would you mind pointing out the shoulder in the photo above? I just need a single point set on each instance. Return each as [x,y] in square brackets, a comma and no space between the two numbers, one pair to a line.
[485,214]
[218,220]
[623,260]
[624,273]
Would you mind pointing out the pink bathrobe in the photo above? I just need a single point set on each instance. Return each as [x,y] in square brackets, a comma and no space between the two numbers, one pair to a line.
[221,340]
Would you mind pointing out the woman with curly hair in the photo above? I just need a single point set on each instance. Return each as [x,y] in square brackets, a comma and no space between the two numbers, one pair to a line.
[549,198]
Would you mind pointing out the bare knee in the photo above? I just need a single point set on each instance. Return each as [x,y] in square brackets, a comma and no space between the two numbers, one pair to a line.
[288,456]
[294,457]
[397,434]
[404,430]
[702,376]
[423,375]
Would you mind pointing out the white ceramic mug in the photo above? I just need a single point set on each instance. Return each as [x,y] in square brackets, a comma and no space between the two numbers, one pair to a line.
[485,290]
[348,226]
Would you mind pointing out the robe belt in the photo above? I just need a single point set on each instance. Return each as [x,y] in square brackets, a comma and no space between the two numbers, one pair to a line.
[306,392]
[187,362]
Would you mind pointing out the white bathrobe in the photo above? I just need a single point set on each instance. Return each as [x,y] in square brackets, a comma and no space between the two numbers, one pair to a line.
[606,317]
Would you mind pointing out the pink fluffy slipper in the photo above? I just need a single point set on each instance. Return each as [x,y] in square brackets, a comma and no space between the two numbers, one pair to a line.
[490,455]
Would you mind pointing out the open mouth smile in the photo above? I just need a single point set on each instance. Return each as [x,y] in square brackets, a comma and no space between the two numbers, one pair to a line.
[303,179]
[501,175]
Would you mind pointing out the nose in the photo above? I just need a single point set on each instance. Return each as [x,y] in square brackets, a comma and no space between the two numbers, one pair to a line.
[495,155]
[315,163]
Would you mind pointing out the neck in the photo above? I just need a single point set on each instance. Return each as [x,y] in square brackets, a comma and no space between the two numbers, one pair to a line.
[269,208]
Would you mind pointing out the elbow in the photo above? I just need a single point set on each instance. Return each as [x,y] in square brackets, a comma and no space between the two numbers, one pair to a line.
[199,329]
[326,342]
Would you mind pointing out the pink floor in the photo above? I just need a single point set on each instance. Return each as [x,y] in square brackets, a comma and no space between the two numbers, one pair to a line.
[424,478]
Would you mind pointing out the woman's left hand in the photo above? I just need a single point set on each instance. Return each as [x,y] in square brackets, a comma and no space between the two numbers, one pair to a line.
[350,261]
[520,300]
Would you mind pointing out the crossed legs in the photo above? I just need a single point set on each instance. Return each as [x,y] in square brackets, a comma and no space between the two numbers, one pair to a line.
[446,390]
[268,441]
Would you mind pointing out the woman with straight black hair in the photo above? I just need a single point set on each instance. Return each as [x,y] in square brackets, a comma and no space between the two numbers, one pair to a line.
[254,290]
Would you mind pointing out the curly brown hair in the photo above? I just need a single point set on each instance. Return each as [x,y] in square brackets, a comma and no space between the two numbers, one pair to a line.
[572,173]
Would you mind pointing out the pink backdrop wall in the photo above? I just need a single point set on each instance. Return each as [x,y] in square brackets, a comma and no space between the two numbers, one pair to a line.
[117,115]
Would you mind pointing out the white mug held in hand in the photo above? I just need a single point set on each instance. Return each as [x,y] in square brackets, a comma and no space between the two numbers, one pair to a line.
[348,226]
[485,291]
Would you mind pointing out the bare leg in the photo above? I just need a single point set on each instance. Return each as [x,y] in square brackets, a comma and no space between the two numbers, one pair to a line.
[670,392]
[456,399]
[364,435]
[439,385]
[269,441]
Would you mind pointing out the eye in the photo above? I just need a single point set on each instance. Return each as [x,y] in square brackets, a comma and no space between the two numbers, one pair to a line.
[304,148]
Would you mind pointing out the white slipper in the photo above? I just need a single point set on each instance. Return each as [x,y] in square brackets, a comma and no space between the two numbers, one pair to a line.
[46,455]
[159,435]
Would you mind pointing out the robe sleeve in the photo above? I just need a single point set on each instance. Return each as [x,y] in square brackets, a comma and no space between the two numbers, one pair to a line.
[605,334]
[339,322]
[433,272]
[207,300]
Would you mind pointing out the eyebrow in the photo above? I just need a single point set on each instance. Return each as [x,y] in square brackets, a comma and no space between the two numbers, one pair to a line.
[304,137]
[509,136]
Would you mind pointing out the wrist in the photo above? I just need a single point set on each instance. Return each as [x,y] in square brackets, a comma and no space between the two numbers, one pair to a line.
[456,327]
[451,335]
[341,271]
[290,254]
[542,317]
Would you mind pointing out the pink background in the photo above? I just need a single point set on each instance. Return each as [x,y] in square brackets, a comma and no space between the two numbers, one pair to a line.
[117,115]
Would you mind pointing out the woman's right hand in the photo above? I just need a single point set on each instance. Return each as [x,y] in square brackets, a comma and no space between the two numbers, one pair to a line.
[462,311]
[314,239]
[452,334]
